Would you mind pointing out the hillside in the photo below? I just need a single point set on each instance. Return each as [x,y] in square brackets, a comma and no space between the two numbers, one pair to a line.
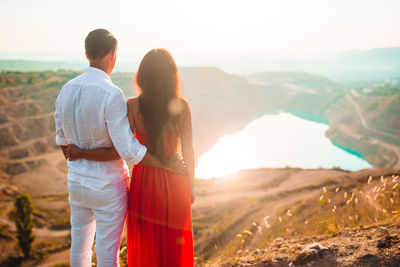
[233,101]
[361,117]
[223,104]
[26,120]
[287,204]
[305,81]
[264,217]
[27,133]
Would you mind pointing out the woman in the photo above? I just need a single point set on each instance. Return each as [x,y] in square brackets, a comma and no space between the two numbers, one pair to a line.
[159,225]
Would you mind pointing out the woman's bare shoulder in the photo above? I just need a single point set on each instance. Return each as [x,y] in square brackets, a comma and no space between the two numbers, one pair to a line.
[186,105]
[133,103]
[132,100]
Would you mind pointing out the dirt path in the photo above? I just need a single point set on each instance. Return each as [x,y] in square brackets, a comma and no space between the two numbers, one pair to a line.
[47,232]
[358,110]
[56,258]
[364,121]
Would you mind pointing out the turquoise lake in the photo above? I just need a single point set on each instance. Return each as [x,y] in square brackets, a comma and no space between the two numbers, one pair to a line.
[276,141]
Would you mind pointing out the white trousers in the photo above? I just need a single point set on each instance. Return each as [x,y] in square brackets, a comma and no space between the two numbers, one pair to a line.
[101,212]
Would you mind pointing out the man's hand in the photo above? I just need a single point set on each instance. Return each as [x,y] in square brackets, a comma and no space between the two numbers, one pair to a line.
[175,163]
[73,152]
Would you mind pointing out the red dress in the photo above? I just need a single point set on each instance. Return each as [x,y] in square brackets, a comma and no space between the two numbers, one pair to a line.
[159,220]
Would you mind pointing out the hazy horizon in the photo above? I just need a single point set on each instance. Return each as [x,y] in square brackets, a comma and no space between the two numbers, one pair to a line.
[332,65]
[201,32]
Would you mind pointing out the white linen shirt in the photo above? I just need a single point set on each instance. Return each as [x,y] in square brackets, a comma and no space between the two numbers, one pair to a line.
[91,112]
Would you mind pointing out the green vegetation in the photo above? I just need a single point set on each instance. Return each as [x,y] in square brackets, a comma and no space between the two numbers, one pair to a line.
[15,78]
[386,90]
[23,218]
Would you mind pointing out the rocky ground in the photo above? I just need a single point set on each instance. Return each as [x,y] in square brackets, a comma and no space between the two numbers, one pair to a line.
[377,245]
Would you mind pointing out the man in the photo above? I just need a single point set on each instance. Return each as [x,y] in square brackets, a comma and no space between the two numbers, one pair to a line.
[91,112]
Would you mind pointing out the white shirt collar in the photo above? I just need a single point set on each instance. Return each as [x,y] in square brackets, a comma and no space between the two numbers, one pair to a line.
[99,72]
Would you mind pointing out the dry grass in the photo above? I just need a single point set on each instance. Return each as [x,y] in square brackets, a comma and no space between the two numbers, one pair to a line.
[333,210]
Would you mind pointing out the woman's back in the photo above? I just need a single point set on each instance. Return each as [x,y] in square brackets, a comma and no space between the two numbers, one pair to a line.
[138,127]
[159,225]
[159,220]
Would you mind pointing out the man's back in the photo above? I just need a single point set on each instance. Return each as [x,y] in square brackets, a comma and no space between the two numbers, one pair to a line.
[91,112]
[84,109]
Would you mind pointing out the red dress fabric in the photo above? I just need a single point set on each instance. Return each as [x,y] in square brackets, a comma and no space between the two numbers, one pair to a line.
[159,220]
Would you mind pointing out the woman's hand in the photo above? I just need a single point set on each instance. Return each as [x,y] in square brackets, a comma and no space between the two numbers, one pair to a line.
[192,195]
[73,152]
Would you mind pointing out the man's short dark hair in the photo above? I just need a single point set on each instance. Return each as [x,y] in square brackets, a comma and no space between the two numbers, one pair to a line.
[99,43]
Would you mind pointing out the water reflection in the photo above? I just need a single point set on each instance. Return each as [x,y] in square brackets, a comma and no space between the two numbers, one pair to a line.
[276,141]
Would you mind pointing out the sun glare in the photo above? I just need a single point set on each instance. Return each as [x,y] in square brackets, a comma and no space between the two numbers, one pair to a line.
[222,159]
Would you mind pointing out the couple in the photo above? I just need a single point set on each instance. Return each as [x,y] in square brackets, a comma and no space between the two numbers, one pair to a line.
[97,130]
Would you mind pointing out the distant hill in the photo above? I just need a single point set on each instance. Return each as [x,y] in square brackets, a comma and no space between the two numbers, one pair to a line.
[31,65]
[299,79]
[76,65]
[374,64]
[373,59]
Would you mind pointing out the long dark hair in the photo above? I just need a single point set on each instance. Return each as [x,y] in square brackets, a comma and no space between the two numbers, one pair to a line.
[160,102]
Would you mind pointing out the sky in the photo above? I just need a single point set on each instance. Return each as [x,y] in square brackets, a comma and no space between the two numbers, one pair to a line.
[202,30]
